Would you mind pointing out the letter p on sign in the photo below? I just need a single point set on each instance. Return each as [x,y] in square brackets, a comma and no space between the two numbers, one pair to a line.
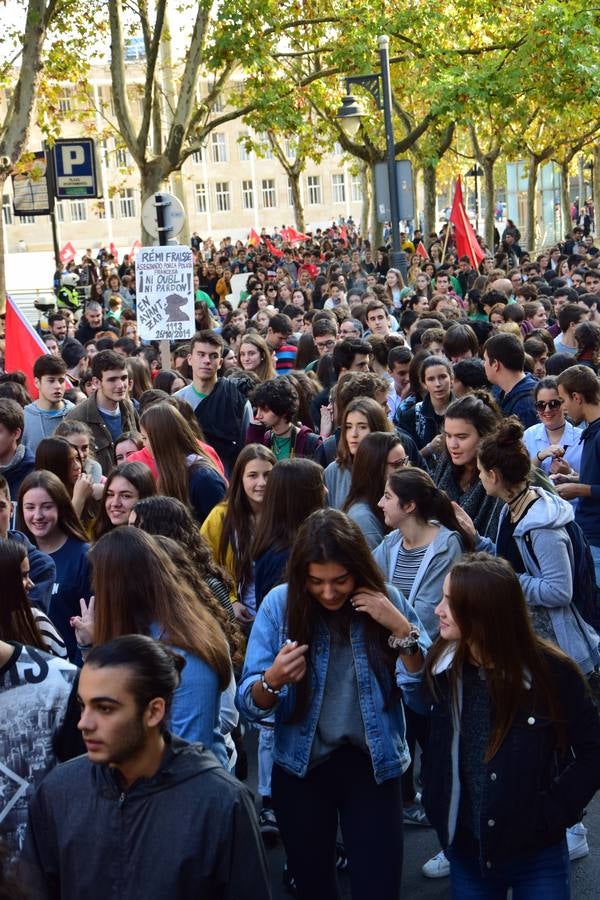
[71,156]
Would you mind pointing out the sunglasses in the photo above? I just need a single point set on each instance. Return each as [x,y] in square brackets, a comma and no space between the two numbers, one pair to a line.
[552,405]
[400,463]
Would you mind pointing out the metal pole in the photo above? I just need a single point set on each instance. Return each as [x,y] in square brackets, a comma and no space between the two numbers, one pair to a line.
[163,240]
[476,202]
[397,256]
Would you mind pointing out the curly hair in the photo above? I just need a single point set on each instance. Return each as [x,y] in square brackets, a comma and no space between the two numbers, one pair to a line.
[279,395]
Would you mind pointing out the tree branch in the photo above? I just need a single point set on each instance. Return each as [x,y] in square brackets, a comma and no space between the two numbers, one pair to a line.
[136,147]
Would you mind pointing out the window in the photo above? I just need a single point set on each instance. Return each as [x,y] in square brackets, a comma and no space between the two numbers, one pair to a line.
[247,195]
[7,213]
[26,220]
[269,194]
[244,154]
[103,151]
[60,212]
[315,197]
[127,204]
[197,157]
[219,147]
[290,192]
[121,157]
[356,189]
[337,149]
[338,187]
[290,148]
[219,104]
[64,101]
[100,209]
[266,151]
[222,196]
[78,209]
[200,193]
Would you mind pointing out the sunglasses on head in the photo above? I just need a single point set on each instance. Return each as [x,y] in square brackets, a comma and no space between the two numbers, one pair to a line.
[553,405]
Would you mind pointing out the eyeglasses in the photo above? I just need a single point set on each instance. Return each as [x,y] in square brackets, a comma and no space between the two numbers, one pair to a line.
[552,405]
[324,345]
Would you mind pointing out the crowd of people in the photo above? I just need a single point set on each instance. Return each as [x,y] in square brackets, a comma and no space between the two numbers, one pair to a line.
[354,529]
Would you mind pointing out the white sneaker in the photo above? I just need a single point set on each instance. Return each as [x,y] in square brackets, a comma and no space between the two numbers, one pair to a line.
[577,841]
[437,867]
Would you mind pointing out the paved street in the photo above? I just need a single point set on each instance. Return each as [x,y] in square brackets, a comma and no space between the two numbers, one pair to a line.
[421,843]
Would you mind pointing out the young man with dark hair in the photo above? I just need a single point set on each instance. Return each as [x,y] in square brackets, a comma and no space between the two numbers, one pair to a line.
[222,411]
[377,318]
[504,361]
[569,318]
[579,390]
[351,356]
[58,327]
[107,412]
[155,816]
[277,338]
[45,414]
[76,359]
[460,342]
[16,459]
[469,375]
[398,363]
[276,403]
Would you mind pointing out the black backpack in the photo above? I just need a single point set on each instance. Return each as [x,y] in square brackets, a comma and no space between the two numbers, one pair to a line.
[586,597]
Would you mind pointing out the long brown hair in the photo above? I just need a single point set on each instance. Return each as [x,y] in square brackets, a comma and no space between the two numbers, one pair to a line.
[265,369]
[328,535]
[369,471]
[139,476]
[54,454]
[416,486]
[375,416]
[172,441]
[68,520]
[136,586]
[139,374]
[16,619]
[488,606]
[239,520]
[295,489]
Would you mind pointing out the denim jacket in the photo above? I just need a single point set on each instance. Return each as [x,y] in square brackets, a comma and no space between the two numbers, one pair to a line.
[384,728]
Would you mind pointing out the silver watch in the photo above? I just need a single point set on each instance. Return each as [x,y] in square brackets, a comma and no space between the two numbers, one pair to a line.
[406,646]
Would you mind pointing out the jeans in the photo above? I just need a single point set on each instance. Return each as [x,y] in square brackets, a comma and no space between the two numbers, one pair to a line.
[544,875]
[596,558]
[370,816]
[266,737]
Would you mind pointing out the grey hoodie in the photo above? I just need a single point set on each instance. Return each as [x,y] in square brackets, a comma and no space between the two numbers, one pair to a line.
[40,424]
[548,579]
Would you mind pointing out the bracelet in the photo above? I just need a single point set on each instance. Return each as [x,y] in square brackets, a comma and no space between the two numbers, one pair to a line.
[267,687]
[537,456]
[84,646]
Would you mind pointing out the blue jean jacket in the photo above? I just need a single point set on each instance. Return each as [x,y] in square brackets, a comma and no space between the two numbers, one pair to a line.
[384,728]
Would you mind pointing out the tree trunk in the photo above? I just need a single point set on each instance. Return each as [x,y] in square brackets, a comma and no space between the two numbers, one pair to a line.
[596,186]
[152,181]
[365,212]
[429,200]
[530,231]
[3,177]
[565,198]
[376,227]
[297,198]
[490,204]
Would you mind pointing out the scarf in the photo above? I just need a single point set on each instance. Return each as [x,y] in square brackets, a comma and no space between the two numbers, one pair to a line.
[483,510]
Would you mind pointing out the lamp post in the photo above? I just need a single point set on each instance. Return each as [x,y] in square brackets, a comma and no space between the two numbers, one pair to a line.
[350,113]
[476,172]
[589,167]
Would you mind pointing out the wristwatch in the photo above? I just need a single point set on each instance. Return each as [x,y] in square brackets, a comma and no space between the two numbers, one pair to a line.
[406,646]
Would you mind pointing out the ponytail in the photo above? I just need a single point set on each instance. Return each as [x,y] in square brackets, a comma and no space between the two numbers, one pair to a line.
[416,486]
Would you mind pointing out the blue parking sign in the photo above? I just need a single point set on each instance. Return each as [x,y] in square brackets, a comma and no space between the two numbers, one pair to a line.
[75,168]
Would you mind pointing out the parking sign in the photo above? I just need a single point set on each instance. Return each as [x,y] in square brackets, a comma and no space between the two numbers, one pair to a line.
[75,169]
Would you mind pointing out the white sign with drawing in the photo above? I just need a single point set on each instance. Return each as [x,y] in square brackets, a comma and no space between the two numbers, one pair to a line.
[164,279]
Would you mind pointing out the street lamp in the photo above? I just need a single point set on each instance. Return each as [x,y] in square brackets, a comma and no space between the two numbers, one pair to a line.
[350,113]
[476,172]
[589,167]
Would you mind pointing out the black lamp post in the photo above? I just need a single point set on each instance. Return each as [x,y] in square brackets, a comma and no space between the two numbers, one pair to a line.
[476,172]
[350,112]
[589,167]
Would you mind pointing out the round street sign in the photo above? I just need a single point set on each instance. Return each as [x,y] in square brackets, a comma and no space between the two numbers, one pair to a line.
[174,215]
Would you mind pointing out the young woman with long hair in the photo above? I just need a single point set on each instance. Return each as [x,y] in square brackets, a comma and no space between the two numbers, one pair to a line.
[79,435]
[255,356]
[19,620]
[228,529]
[46,516]
[125,485]
[323,656]
[169,381]
[294,490]
[150,597]
[360,417]
[378,454]
[56,454]
[139,377]
[516,739]
[424,421]
[185,471]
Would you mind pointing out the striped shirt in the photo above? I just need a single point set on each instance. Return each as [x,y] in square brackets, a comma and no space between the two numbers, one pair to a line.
[407,566]
[50,636]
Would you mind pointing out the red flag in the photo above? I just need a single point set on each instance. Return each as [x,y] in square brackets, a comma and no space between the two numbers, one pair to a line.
[466,240]
[420,249]
[294,236]
[67,253]
[253,238]
[273,249]
[285,234]
[344,234]
[114,252]
[134,249]
[23,345]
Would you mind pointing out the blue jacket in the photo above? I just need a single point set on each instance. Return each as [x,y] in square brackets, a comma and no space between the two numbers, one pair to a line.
[519,401]
[548,579]
[426,591]
[42,571]
[530,794]
[384,729]
[588,508]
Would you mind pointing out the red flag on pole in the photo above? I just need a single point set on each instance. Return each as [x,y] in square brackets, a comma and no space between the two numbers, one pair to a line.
[344,234]
[466,240]
[294,236]
[67,253]
[273,249]
[134,249]
[420,249]
[23,344]
[253,238]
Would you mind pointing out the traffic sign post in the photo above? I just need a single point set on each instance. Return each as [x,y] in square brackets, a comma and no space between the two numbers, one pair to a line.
[74,164]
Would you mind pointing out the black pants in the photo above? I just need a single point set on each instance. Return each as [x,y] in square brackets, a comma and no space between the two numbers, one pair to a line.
[370,816]
[417,731]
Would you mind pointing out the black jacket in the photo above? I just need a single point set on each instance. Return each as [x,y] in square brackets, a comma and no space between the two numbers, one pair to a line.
[220,416]
[530,794]
[188,833]
[87,411]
